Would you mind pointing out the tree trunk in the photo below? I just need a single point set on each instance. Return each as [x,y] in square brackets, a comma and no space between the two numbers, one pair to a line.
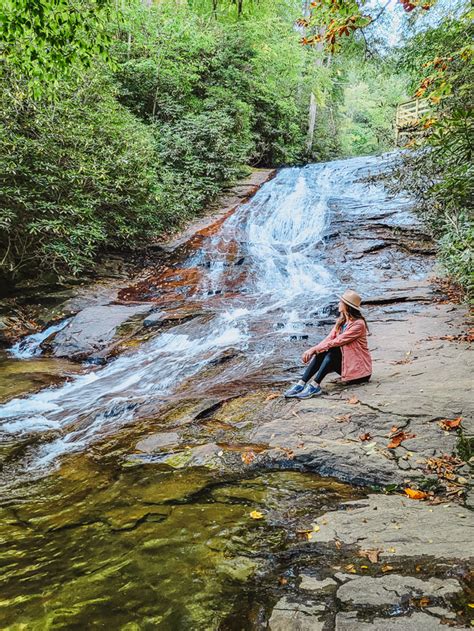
[313,106]
[311,123]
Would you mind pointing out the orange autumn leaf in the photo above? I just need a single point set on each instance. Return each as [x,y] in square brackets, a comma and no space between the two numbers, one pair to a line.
[398,438]
[274,395]
[449,425]
[365,436]
[248,457]
[353,400]
[343,418]
[414,494]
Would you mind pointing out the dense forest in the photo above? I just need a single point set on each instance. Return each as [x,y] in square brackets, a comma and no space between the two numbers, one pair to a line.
[120,123]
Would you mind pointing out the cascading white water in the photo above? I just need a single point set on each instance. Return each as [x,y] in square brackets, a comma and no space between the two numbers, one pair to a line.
[280,236]
[30,346]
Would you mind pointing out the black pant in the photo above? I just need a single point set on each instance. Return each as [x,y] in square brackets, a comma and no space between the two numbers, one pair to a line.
[324,363]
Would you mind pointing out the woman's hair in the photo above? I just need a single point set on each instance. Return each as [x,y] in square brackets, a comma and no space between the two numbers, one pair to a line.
[354,314]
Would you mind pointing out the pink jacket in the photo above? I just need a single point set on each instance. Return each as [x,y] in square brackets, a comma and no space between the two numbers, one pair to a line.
[356,359]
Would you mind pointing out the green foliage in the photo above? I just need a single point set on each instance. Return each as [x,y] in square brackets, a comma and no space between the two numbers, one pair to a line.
[371,95]
[255,66]
[442,173]
[75,175]
[104,159]
[43,41]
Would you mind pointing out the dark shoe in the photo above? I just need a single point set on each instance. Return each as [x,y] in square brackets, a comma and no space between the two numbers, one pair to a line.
[309,392]
[294,391]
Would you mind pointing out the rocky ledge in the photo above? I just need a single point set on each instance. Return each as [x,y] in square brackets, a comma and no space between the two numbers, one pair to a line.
[398,562]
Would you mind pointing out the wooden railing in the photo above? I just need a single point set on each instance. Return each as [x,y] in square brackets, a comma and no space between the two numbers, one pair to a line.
[409,114]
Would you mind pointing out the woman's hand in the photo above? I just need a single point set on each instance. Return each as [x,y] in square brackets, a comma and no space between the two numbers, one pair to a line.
[307,355]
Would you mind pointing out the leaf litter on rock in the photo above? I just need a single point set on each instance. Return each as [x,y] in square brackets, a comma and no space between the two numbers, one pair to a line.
[415,494]
[248,457]
[450,424]
[274,395]
[372,555]
[397,438]
[343,418]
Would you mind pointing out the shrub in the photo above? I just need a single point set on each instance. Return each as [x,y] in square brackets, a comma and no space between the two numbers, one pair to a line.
[77,174]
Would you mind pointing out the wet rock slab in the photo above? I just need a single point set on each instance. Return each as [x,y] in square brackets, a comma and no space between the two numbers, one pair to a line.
[158,441]
[394,589]
[416,622]
[313,584]
[293,616]
[93,329]
[208,455]
[402,527]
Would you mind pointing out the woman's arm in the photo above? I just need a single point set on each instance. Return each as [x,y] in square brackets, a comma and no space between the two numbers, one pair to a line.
[312,351]
[354,330]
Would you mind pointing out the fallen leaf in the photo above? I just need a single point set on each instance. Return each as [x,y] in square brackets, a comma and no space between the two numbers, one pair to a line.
[423,602]
[282,580]
[365,436]
[338,544]
[449,425]
[290,454]
[350,568]
[274,395]
[414,494]
[255,514]
[386,568]
[343,418]
[248,457]
[398,438]
[315,528]
[406,360]
[394,429]
[372,555]
[353,400]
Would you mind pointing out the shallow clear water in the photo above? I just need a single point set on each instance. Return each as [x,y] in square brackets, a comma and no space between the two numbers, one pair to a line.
[99,546]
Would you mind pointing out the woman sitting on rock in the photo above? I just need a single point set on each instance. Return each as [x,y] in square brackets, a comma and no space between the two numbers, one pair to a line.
[344,351]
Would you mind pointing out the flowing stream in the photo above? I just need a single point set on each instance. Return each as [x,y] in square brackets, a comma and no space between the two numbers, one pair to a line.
[258,282]
[91,537]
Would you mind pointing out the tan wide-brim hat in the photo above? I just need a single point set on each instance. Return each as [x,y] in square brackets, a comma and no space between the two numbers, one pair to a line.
[351,298]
